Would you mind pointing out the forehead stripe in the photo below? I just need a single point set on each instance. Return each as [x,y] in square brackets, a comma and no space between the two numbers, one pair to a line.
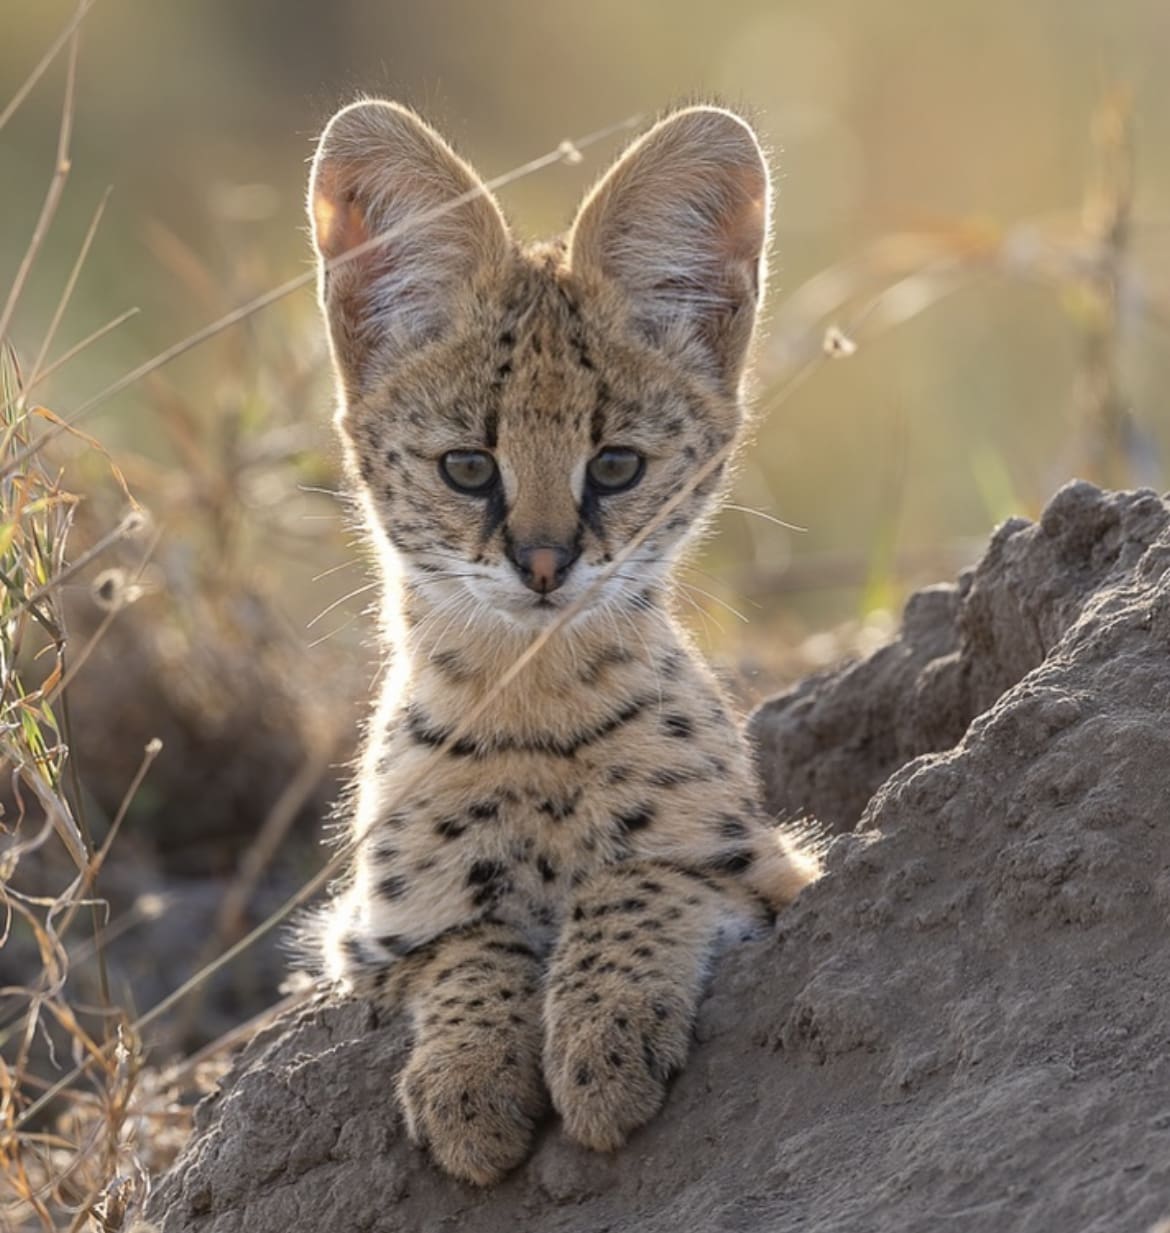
[491,427]
[597,419]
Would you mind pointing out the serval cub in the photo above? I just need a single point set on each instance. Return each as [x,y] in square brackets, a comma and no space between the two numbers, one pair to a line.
[543,866]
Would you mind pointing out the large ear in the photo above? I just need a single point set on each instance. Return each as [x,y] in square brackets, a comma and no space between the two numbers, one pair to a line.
[678,227]
[380,171]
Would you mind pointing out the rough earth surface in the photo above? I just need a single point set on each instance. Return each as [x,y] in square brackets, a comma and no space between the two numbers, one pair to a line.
[962,1026]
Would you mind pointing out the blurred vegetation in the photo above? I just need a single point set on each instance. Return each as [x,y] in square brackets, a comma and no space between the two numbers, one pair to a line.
[970,303]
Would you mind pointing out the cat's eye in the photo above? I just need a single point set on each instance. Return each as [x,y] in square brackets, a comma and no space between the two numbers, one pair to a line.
[615,469]
[471,471]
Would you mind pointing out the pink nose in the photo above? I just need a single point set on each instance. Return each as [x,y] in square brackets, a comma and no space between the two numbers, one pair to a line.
[543,567]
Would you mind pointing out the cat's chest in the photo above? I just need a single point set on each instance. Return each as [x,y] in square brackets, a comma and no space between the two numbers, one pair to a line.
[516,833]
[539,825]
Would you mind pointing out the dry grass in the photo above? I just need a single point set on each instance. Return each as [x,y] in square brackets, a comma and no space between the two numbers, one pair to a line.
[87,1111]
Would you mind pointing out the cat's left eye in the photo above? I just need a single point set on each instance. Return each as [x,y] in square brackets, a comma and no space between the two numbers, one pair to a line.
[615,469]
[470,471]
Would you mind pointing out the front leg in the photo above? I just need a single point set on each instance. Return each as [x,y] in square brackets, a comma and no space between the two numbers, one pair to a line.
[624,982]
[472,1088]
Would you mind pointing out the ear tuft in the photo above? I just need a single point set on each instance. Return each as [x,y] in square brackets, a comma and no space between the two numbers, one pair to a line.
[679,227]
[381,174]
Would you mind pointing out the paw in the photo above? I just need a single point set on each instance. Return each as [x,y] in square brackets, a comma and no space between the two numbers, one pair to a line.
[608,1068]
[476,1108]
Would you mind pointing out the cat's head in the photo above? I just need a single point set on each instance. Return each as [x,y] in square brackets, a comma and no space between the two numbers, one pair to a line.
[514,417]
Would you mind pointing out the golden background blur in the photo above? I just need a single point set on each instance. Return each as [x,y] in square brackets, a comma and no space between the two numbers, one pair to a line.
[970,123]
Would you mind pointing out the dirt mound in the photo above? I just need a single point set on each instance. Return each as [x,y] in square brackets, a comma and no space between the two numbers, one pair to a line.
[961,1026]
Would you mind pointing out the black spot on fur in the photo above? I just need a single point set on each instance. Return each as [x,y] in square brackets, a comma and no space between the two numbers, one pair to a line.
[422,731]
[731,827]
[597,418]
[393,886]
[562,808]
[553,746]
[491,426]
[635,819]
[671,664]
[733,862]
[396,944]
[449,828]
[672,777]
[607,657]
[485,875]
[450,666]
[511,948]
[678,725]
[651,1060]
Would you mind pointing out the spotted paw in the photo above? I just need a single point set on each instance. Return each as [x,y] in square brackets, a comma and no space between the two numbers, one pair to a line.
[608,1069]
[475,1108]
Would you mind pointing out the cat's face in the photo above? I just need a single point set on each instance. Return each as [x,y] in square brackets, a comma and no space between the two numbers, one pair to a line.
[513,460]
[518,419]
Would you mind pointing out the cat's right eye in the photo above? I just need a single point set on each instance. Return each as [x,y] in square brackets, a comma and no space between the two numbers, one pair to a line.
[470,471]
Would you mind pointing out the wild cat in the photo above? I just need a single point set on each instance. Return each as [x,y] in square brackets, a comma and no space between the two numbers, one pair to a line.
[544,864]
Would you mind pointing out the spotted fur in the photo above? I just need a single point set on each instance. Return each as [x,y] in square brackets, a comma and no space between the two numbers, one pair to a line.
[544,864]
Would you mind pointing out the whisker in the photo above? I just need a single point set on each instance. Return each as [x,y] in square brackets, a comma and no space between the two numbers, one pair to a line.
[369,586]
[334,569]
[704,615]
[650,661]
[449,608]
[690,586]
[325,637]
[759,513]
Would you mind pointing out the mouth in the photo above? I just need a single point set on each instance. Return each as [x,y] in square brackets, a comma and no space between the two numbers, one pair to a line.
[537,611]
[524,607]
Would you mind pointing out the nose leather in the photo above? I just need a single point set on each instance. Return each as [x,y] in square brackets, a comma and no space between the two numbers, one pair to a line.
[543,567]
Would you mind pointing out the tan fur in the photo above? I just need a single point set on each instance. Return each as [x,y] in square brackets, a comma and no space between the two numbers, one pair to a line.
[544,882]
